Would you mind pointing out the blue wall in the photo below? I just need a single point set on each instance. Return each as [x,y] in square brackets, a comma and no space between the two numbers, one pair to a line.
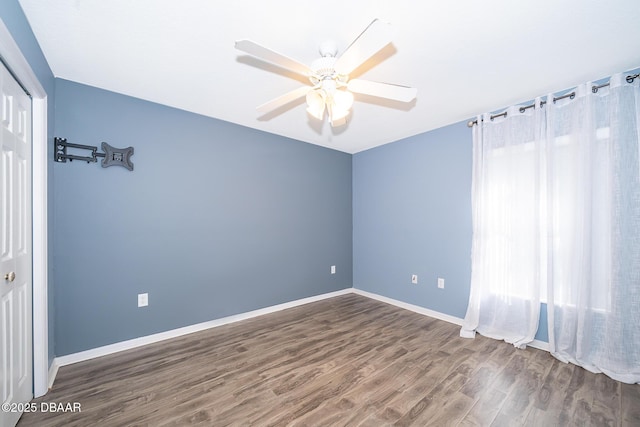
[216,219]
[412,215]
[15,21]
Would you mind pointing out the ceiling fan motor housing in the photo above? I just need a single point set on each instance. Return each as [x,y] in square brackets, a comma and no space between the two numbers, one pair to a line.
[325,93]
[323,68]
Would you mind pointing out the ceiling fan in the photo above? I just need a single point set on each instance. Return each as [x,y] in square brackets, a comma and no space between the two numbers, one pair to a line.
[331,88]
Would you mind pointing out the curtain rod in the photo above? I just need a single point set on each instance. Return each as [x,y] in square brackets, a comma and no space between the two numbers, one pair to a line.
[571,95]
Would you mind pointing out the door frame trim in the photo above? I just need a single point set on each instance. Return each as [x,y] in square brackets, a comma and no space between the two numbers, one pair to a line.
[14,58]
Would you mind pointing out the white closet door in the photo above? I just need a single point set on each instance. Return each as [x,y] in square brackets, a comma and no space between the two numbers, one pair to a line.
[15,250]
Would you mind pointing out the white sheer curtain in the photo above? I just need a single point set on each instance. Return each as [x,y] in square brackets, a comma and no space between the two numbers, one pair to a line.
[556,217]
[594,241]
[507,225]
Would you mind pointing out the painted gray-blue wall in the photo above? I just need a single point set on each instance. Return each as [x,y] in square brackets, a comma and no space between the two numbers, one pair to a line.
[412,215]
[216,219]
[14,19]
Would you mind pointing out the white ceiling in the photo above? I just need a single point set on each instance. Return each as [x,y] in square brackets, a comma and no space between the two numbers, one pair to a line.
[465,57]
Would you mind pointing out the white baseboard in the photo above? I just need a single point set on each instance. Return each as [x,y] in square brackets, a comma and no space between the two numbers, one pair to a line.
[411,307]
[540,345]
[53,371]
[149,339]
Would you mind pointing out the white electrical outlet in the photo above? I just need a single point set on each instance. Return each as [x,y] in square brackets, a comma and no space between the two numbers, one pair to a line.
[440,283]
[414,279]
[333,269]
[143,300]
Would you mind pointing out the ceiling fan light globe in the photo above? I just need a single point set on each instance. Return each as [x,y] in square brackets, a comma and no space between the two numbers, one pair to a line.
[337,113]
[336,123]
[343,99]
[316,114]
[315,104]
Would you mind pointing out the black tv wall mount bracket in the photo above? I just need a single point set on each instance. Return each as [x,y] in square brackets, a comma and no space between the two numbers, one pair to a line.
[111,157]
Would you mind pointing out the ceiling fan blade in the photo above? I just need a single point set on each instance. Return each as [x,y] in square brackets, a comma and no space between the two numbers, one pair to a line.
[383,90]
[376,36]
[284,99]
[273,57]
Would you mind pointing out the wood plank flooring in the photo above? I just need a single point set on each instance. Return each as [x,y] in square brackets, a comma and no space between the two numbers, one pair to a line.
[344,361]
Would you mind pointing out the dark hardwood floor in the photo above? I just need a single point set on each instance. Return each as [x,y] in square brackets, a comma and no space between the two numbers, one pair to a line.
[347,360]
